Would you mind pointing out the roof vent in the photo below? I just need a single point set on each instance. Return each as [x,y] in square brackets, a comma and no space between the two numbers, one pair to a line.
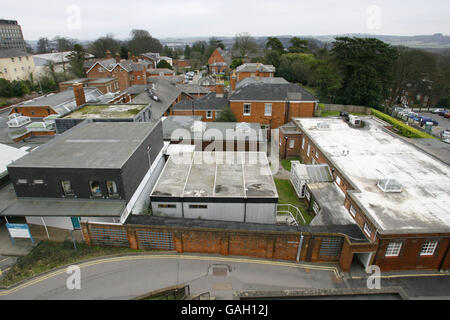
[389,185]
[323,125]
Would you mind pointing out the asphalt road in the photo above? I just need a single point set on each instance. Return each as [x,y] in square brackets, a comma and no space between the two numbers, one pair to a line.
[128,277]
[443,122]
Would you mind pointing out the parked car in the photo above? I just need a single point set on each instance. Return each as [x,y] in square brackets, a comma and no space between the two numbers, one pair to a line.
[445,134]
[424,120]
[345,115]
[447,114]
[434,111]
[442,112]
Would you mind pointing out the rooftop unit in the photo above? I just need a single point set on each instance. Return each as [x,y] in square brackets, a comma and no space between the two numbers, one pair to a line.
[389,185]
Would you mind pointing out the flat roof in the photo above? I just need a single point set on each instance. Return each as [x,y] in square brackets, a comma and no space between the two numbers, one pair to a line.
[7,156]
[217,174]
[90,145]
[95,111]
[372,153]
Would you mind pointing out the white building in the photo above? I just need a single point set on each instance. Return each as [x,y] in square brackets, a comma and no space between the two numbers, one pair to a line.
[226,186]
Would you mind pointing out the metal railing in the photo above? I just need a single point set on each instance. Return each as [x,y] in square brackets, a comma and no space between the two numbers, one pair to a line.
[292,211]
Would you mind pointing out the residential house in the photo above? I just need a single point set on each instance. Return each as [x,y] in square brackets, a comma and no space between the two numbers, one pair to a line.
[217,63]
[258,70]
[271,101]
[208,106]
[105,85]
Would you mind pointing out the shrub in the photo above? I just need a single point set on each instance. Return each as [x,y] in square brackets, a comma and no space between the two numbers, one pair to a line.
[400,127]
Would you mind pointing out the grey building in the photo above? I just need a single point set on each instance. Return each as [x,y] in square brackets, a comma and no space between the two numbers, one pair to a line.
[11,36]
[93,171]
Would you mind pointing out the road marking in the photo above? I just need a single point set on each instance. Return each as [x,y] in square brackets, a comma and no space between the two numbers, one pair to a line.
[406,276]
[148,257]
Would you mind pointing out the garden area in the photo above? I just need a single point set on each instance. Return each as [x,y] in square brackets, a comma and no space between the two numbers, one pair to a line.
[287,195]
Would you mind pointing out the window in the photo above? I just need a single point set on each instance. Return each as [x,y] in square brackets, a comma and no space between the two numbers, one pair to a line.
[303,143]
[208,114]
[95,188]
[22,181]
[268,109]
[309,150]
[67,188]
[316,207]
[38,181]
[338,180]
[393,249]
[291,144]
[112,189]
[308,195]
[352,211]
[198,206]
[247,109]
[367,229]
[428,248]
[167,206]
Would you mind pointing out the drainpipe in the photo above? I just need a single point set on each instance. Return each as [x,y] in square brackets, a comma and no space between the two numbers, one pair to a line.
[299,250]
[45,226]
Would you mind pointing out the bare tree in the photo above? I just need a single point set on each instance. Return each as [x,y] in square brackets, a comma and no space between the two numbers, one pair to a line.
[244,44]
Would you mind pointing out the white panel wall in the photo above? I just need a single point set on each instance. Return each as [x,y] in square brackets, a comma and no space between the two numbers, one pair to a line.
[56,222]
[100,219]
[261,213]
[167,212]
[216,211]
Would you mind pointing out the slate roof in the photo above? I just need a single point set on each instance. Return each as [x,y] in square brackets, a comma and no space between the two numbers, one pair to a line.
[207,102]
[166,92]
[261,91]
[253,67]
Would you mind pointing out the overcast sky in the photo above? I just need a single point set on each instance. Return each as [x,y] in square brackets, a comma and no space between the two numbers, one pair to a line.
[90,19]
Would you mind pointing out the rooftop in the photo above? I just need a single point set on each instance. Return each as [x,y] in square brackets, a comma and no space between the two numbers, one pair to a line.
[267,91]
[253,67]
[106,111]
[209,101]
[216,174]
[7,156]
[12,53]
[90,145]
[366,156]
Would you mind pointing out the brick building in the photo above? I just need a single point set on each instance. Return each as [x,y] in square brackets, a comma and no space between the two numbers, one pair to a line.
[105,85]
[208,106]
[127,72]
[217,63]
[396,193]
[270,101]
[258,70]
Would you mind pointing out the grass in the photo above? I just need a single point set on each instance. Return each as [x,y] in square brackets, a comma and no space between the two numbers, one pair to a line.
[48,255]
[287,195]
[286,163]
[400,127]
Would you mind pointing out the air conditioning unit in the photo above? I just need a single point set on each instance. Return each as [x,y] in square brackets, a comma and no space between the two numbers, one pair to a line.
[354,120]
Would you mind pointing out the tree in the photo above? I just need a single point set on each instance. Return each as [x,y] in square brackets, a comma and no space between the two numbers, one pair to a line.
[244,44]
[275,45]
[216,43]
[43,46]
[354,56]
[236,63]
[226,115]
[63,44]
[76,61]
[163,64]
[142,42]
[298,45]
[187,52]
[99,47]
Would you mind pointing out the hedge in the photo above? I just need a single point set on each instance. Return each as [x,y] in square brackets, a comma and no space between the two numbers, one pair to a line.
[402,128]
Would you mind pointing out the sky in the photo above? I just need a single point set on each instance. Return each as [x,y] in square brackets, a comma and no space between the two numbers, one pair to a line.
[87,20]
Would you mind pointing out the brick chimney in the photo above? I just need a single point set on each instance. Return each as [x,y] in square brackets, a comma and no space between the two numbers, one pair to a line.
[78,92]
[220,90]
[117,57]
[233,81]
[108,54]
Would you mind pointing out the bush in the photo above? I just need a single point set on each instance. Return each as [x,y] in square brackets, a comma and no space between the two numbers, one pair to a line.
[402,129]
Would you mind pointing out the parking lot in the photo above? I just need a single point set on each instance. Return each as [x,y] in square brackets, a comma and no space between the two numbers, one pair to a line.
[443,122]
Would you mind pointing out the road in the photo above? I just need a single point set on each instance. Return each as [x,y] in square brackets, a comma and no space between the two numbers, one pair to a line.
[128,277]
[443,122]
[131,276]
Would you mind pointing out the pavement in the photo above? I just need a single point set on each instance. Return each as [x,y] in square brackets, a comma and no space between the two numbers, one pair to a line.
[127,277]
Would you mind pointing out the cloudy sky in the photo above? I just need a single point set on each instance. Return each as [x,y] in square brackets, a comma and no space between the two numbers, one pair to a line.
[83,19]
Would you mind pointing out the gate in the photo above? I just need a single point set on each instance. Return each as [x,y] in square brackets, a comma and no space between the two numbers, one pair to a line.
[155,240]
[331,247]
[109,237]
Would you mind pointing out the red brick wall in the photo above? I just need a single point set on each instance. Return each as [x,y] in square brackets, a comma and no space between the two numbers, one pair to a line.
[285,150]
[257,113]
[201,113]
[243,75]
[34,112]
[215,57]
